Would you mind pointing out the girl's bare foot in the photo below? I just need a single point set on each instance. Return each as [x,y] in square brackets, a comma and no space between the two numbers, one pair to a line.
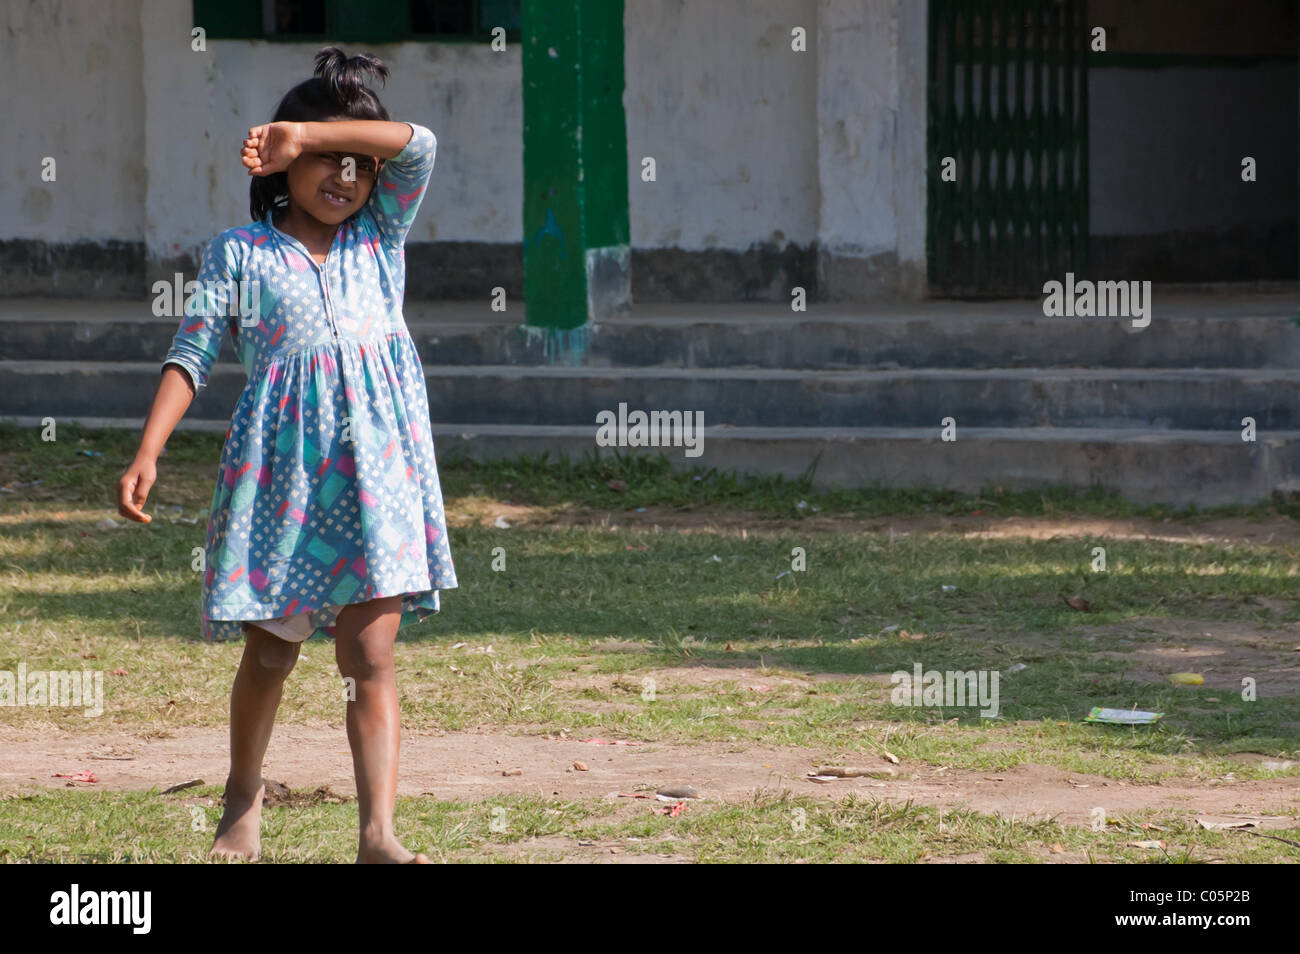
[387,851]
[239,833]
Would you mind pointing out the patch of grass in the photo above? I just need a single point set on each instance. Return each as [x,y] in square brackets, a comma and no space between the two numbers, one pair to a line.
[571,631]
[73,595]
[769,827]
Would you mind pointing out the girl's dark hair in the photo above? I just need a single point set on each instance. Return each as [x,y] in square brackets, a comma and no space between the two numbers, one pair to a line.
[337,91]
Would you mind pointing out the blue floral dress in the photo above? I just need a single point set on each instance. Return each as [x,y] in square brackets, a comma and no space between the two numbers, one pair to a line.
[328,491]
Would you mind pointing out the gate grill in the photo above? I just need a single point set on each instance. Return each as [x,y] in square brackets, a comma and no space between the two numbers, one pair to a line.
[1008,100]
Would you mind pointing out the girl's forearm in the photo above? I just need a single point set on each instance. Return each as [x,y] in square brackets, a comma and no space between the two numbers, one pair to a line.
[175,393]
[372,137]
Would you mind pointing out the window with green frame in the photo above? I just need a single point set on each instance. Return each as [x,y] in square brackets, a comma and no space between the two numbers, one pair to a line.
[368,21]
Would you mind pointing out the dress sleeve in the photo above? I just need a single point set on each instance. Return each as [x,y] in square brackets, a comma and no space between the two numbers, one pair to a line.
[207,314]
[400,187]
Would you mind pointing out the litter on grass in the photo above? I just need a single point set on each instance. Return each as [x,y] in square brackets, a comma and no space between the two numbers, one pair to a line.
[677,793]
[1214,825]
[1122,716]
[85,775]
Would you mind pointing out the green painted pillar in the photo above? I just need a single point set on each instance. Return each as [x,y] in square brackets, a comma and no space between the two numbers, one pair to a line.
[576,251]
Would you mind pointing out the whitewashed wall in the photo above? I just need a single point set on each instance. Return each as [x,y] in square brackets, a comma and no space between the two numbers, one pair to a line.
[754,142]
[72,93]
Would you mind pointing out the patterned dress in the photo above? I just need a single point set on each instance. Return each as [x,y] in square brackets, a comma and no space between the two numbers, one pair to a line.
[328,491]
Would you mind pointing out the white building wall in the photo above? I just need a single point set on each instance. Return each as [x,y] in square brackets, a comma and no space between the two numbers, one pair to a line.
[754,142]
[870,111]
[72,93]
[728,111]
[201,106]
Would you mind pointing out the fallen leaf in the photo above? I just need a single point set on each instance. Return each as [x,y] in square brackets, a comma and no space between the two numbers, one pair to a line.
[181,786]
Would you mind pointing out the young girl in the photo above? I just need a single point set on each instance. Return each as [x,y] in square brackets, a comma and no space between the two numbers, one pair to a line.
[328,512]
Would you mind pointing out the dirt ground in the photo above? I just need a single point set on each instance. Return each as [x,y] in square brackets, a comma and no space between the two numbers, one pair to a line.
[470,765]
[1281,532]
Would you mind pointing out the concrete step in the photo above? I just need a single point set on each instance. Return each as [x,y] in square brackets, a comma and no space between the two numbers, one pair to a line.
[1203,399]
[1227,331]
[1205,468]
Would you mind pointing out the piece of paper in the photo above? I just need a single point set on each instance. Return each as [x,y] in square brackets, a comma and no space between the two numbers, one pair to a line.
[1122,716]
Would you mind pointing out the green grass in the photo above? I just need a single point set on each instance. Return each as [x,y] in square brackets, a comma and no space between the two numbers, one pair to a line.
[768,827]
[75,593]
[127,596]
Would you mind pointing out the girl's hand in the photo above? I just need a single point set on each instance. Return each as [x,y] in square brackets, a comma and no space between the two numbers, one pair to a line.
[271,147]
[133,490]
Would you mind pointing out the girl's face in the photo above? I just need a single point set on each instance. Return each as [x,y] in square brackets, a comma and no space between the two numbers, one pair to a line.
[317,185]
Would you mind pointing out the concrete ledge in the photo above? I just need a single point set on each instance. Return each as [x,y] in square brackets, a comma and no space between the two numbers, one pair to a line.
[1250,331]
[1146,399]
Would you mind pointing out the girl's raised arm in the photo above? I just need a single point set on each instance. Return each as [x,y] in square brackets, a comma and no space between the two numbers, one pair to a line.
[401,186]
[395,199]
[271,147]
[372,137]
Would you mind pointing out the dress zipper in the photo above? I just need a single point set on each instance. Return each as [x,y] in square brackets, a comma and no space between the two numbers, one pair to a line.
[329,302]
[322,275]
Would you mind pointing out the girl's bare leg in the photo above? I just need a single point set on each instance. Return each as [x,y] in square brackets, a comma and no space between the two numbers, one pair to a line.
[267,661]
[363,645]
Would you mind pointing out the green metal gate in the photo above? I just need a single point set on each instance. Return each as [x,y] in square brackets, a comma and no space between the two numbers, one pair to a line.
[1008,101]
